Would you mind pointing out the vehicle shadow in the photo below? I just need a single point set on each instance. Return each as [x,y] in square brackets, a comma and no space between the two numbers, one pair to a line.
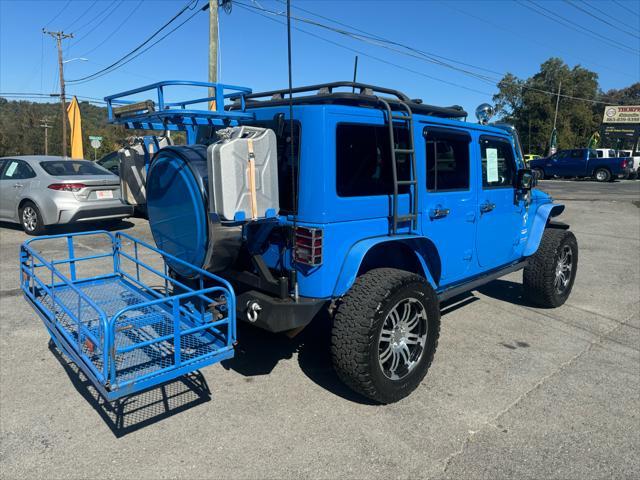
[258,351]
[76,227]
[131,413]
[506,291]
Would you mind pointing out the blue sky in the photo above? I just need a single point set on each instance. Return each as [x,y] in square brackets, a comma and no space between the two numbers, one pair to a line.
[498,36]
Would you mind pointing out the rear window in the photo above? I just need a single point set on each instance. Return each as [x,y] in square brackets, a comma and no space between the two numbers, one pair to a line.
[72,168]
[363,160]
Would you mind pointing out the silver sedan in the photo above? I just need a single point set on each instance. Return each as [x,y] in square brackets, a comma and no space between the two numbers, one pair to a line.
[37,191]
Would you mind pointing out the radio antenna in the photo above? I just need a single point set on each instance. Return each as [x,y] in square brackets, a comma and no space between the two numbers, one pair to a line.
[294,166]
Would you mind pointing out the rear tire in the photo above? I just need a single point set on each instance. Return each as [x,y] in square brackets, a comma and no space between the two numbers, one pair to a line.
[602,175]
[549,276]
[31,220]
[385,334]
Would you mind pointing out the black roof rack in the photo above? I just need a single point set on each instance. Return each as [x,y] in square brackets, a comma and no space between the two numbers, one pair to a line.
[361,94]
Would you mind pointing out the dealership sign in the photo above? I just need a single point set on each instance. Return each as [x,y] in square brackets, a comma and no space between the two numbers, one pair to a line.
[622,114]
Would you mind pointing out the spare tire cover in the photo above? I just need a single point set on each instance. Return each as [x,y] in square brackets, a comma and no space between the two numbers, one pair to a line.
[177,200]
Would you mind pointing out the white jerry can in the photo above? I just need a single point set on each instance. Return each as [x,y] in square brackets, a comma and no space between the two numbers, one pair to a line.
[243,174]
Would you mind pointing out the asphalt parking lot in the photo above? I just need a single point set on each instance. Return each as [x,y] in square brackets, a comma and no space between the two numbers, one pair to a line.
[514,391]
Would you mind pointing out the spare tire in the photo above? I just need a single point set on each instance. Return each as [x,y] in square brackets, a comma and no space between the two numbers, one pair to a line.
[177,200]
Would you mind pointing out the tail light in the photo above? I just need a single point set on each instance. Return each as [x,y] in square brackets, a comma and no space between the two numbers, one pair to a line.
[308,245]
[67,187]
[623,164]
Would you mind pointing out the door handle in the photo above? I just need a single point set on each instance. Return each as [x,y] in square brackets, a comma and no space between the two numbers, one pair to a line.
[18,185]
[487,207]
[438,213]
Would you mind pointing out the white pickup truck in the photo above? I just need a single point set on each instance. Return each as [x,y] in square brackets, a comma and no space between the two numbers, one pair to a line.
[611,153]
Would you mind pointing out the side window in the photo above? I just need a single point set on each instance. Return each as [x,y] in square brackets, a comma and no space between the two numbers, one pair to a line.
[17,170]
[447,160]
[600,153]
[498,166]
[363,160]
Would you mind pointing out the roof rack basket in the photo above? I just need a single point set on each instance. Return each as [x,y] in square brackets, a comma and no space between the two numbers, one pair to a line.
[159,114]
[344,92]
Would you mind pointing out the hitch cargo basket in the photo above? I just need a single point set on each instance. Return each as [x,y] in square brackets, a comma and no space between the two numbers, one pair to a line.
[134,327]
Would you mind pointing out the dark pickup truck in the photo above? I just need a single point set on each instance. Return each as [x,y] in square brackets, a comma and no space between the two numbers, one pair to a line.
[581,162]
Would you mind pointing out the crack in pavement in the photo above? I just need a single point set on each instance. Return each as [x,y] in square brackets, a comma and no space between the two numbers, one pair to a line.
[536,386]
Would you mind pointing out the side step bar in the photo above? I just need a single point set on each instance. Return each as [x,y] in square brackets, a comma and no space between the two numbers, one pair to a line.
[454,290]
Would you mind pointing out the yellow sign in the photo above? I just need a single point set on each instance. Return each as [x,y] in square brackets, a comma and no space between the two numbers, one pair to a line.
[622,114]
[73,112]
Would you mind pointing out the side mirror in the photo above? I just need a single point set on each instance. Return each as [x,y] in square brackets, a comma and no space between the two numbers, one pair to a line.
[526,179]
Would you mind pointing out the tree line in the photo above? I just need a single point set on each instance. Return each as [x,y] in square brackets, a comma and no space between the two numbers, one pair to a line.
[522,102]
[21,133]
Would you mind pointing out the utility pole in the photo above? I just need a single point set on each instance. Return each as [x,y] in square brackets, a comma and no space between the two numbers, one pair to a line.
[59,36]
[213,48]
[555,117]
[46,127]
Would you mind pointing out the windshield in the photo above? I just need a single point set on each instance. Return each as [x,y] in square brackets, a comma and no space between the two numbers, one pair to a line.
[66,168]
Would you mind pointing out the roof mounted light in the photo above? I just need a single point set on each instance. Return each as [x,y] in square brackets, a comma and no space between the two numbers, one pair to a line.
[484,112]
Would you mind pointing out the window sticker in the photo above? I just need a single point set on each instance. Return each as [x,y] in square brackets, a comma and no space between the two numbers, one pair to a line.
[492,165]
[12,169]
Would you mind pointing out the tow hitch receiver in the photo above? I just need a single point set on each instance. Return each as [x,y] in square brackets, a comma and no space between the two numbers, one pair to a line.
[128,329]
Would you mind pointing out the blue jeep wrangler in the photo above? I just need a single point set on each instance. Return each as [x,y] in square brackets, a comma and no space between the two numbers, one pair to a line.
[387,207]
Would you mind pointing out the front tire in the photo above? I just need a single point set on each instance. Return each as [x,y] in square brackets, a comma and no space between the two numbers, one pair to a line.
[602,175]
[385,334]
[31,220]
[549,276]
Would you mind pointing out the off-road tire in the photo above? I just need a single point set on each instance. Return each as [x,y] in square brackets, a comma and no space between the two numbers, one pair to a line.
[32,209]
[359,318]
[540,273]
[602,175]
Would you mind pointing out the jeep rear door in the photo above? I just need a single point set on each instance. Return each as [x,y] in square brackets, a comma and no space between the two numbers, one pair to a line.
[448,219]
[500,212]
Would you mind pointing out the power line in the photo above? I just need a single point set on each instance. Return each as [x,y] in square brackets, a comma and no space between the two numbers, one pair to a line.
[624,7]
[98,15]
[128,57]
[48,95]
[337,22]
[368,55]
[602,12]
[617,27]
[116,30]
[529,39]
[81,15]
[384,43]
[569,24]
[59,13]
[111,9]
[483,78]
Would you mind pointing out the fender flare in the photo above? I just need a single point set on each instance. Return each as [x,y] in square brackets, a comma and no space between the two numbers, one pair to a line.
[355,256]
[539,223]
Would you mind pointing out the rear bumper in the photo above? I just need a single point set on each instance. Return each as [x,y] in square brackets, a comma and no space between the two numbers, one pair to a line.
[275,314]
[86,213]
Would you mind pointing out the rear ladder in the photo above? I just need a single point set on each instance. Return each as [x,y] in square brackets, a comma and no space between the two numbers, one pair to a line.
[405,115]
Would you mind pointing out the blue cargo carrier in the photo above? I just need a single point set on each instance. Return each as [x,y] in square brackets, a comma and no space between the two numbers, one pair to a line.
[136,327]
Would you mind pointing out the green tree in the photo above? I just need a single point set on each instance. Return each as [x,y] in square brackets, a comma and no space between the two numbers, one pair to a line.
[528,105]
